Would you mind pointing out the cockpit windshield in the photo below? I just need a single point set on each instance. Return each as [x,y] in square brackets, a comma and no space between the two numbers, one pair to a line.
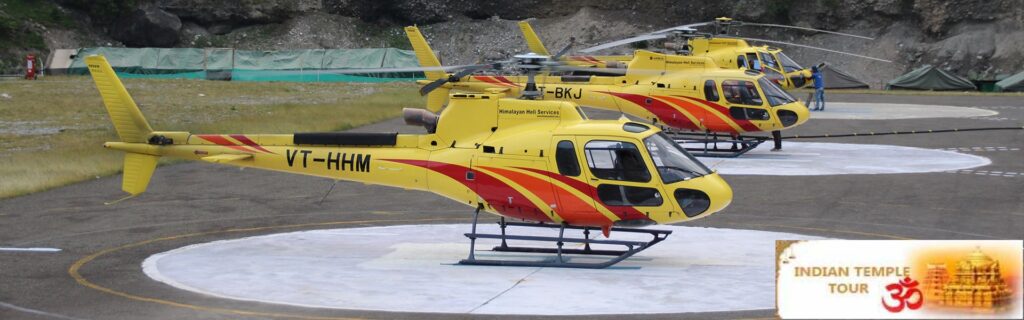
[673,162]
[769,60]
[788,64]
[776,96]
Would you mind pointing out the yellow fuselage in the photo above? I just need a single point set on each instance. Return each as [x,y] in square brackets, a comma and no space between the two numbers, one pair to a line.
[678,98]
[487,151]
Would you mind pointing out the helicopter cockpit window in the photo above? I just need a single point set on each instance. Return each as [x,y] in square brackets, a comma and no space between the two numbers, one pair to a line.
[565,156]
[776,96]
[741,113]
[741,92]
[753,62]
[673,163]
[616,195]
[710,91]
[788,64]
[616,160]
[772,67]
[769,60]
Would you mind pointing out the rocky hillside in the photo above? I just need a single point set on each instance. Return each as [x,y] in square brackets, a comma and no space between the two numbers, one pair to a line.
[981,38]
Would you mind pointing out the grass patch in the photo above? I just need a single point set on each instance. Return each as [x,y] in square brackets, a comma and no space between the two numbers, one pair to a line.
[52,131]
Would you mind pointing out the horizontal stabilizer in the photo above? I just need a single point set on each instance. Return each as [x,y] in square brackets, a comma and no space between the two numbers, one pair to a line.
[138,169]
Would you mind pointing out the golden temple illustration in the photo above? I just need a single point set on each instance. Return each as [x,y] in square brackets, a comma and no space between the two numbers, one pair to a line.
[977,283]
[935,281]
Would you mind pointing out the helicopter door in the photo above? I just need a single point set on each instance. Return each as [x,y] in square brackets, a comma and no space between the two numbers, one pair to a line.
[506,187]
[574,203]
[621,179]
[688,116]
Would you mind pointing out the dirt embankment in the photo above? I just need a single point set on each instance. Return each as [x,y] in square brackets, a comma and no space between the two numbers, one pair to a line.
[977,38]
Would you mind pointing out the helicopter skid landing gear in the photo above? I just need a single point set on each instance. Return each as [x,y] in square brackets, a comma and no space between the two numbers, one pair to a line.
[710,144]
[561,258]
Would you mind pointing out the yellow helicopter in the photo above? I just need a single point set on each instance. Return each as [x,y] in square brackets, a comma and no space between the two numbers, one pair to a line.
[542,162]
[689,94]
[727,50]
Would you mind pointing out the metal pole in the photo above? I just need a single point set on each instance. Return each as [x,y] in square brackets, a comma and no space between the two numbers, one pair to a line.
[503,225]
[561,233]
[472,238]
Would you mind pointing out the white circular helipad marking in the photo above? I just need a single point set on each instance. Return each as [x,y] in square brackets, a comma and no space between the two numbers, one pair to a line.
[410,269]
[887,111]
[816,158]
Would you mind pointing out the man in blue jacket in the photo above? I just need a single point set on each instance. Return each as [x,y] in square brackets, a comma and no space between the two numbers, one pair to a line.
[819,89]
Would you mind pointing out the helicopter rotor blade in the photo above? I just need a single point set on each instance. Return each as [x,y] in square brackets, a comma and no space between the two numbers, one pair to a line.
[685,27]
[639,38]
[461,73]
[454,77]
[772,25]
[817,48]
[572,41]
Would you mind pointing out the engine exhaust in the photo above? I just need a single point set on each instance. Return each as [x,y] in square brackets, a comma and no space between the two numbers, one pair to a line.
[420,117]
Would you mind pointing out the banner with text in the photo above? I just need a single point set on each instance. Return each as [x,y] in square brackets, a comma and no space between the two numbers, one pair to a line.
[899,278]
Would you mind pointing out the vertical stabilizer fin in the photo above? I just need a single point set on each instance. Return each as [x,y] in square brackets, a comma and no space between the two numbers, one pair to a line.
[532,40]
[424,54]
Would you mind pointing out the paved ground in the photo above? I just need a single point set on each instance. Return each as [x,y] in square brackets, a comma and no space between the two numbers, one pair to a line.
[98,273]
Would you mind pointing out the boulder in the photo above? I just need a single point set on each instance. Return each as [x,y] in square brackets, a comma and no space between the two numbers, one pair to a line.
[148,27]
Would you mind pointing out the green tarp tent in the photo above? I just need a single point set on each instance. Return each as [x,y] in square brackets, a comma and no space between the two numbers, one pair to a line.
[1012,83]
[836,78]
[312,65]
[930,78]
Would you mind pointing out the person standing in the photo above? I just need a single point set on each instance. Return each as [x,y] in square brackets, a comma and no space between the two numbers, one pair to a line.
[819,89]
[777,138]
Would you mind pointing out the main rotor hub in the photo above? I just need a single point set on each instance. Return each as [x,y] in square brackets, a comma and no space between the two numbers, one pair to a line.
[532,61]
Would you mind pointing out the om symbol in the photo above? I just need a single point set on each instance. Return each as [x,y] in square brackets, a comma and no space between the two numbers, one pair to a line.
[903,294]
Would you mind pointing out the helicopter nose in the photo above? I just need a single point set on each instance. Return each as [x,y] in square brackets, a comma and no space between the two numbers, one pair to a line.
[713,196]
[793,114]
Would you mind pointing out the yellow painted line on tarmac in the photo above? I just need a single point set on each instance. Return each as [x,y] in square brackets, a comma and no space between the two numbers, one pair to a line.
[73,271]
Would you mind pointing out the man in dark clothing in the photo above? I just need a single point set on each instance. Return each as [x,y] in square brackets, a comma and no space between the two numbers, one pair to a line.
[777,137]
[819,89]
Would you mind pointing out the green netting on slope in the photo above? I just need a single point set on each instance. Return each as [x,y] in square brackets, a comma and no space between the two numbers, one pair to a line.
[305,76]
[279,60]
[179,75]
[312,65]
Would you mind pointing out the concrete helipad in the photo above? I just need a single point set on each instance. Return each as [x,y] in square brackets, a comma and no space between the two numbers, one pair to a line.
[818,158]
[410,269]
[892,111]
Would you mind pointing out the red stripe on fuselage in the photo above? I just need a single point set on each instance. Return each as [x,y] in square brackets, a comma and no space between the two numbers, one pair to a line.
[506,80]
[245,140]
[490,80]
[571,208]
[665,112]
[222,141]
[623,212]
[502,197]
[745,124]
